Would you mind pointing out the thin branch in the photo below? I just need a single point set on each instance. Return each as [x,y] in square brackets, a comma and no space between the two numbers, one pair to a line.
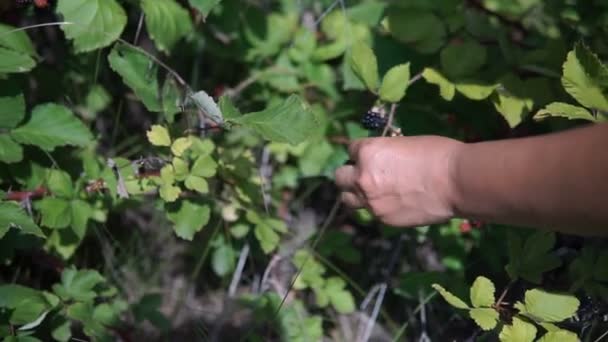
[389,123]
[238,272]
[57,23]
[139,27]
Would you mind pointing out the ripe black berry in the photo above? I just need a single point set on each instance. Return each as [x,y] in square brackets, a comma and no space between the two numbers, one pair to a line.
[373,120]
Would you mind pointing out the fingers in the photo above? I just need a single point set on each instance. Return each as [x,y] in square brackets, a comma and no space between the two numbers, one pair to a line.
[352,200]
[353,149]
[346,177]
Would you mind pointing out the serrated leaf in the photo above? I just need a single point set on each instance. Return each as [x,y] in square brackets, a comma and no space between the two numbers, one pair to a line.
[15,62]
[207,104]
[447,90]
[340,298]
[268,238]
[12,110]
[93,23]
[395,83]
[180,145]
[559,336]
[421,29]
[78,284]
[204,166]
[519,331]
[52,125]
[180,168]
[166,21]
[513,109]
[564,110]
[197,184]
[475,91]
[461,60]
[291,121]
[229,111]
[10,151]
[138,71]
[60,183]
[159,136]
[14,39]
[486,318]
[12,215]
[56,212]
[169,192]
[584,78]
[223,260]
[204,6]
[549,307]
[482,292]
[450,298]
[364,64]
[171,99]
[530,259]
[81,213]
[188,219]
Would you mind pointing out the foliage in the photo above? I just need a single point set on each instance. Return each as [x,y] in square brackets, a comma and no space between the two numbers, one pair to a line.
[155,147]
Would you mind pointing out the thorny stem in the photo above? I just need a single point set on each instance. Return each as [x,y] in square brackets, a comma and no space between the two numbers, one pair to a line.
[502,295]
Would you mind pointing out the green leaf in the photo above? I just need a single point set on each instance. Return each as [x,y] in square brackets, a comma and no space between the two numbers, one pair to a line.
[189,218]
[17,40]
[513,109]
[12,110]
[482,292]
[180,145]
[78,284]
[227,108]
[475,91]
[81,213]
[10,151]
[204,166]
[223,260]
[291,121]
[340,298]
[559,336]
[549,307]
[180,168]
[169,192]
[197,184]
[171,99]
[56,212]
[14,62]
[585,78]
[519,331]
[365,65]
[486,318]
[463,59]
[421,29]
[60,183]
[204,6]
[159,136]
[13,216]
[138,71]
[447,90]
[268,238]
[531,259]
[395,83]
[564,110]
[94,23]
[52,125]
[207,105]
[167,22]
[450,298]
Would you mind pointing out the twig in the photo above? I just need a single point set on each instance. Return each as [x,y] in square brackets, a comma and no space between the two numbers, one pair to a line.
[503,294]
[36,26]
[389,123]
[601,337]
[238,272]
[367,331]
[139,26]
[275,259]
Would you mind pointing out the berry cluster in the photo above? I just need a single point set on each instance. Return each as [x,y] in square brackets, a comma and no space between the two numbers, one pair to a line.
[373,120]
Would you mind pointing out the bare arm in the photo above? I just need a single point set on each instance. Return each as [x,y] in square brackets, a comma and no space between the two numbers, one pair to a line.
[557,181]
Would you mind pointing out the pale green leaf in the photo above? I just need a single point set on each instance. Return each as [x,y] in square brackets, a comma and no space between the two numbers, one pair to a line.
[197,184]
[475,91]
[13,216]
[291,121]
[559,336]
[159,136]
[549,307]
[60,183]
[365,65]
[10,151]
[450,298]
[12,110]
[56,212]
[207,105]
[463,59]
[17,40]
[223,260]
[94,23]
[15,62]
[138,71]
[180,145]
[513,109]
[204,6]
[486,318]
[268,238]
[180,168]
[167,22]
[227,108]
[340,298]
[189,218]
[447,90]
[564,110]
[204,166]
[584,78]
[169,192]
[78,284]
[519,331]
[395,83]
[81,213]
[482,292]
[52,125]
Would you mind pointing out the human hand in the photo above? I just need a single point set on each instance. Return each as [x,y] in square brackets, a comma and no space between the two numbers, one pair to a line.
[404,181]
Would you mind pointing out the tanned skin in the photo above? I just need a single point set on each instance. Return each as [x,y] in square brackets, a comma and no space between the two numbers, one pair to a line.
[557,181]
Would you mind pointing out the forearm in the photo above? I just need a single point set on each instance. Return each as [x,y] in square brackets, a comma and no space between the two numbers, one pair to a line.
[557,181]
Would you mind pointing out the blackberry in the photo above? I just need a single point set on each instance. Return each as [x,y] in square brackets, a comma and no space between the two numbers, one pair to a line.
[373,120]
